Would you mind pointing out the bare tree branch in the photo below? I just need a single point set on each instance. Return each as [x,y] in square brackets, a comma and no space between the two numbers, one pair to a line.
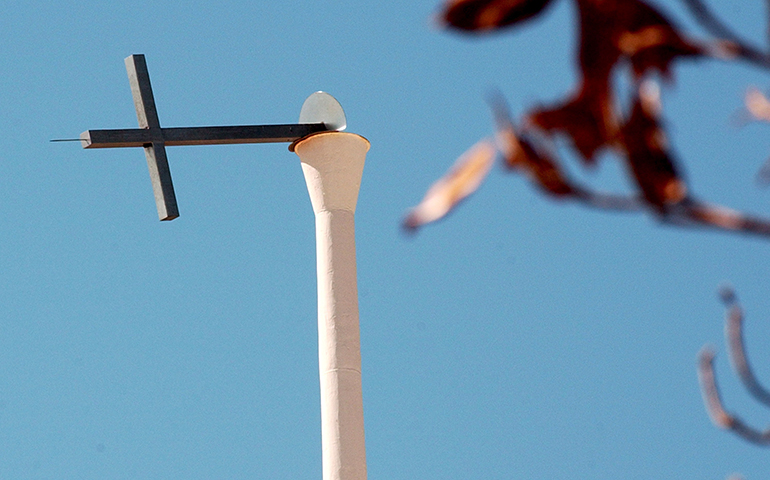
[709,390]
[710,21]
[734,336]
[719,217]
[711,398]
[713,403]
[590,117]
[606,201]
[714,25]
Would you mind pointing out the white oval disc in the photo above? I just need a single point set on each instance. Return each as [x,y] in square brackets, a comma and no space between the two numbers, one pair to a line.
[322,107]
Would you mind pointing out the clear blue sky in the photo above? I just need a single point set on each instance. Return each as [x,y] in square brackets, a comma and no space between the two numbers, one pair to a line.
[518,338]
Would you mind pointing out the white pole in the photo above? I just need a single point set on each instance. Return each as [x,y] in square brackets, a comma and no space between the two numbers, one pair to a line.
[333,163]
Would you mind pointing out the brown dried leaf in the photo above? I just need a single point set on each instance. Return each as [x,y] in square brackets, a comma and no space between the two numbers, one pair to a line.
[649,39]
[655,48]
[611,29]
[597,53]
[647,152]
[542,169]
[463,179]
[484,15]
[520,154]
[588,119]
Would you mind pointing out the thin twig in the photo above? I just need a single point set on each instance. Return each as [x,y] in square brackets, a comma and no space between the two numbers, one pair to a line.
[710,21]
[737,349]
[715,26]
[713,403]
[695,213]
[709,390]
[606,201]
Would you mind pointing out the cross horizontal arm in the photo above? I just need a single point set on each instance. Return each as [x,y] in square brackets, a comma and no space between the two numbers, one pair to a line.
[139,137]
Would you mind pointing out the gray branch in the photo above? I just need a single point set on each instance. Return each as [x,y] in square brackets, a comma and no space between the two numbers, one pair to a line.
[711,398]
[717,28]
[707,379]
[696,213]
[737,349]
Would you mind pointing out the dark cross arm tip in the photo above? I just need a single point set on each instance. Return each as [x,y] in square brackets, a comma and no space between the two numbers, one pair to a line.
[139,137]
[134,137]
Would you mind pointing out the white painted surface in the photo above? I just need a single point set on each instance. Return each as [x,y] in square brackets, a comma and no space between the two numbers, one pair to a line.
[333,164]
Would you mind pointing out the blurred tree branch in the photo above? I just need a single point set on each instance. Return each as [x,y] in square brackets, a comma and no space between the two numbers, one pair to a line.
[615,35]
[736,350]
[716,27]
[635,39]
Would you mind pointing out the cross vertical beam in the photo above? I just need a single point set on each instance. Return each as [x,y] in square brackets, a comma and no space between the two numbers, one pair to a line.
[147,114]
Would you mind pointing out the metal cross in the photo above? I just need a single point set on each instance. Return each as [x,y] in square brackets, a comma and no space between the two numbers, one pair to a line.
[154,139]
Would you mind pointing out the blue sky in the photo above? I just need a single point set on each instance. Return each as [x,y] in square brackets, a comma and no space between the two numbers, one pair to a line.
[518,338]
